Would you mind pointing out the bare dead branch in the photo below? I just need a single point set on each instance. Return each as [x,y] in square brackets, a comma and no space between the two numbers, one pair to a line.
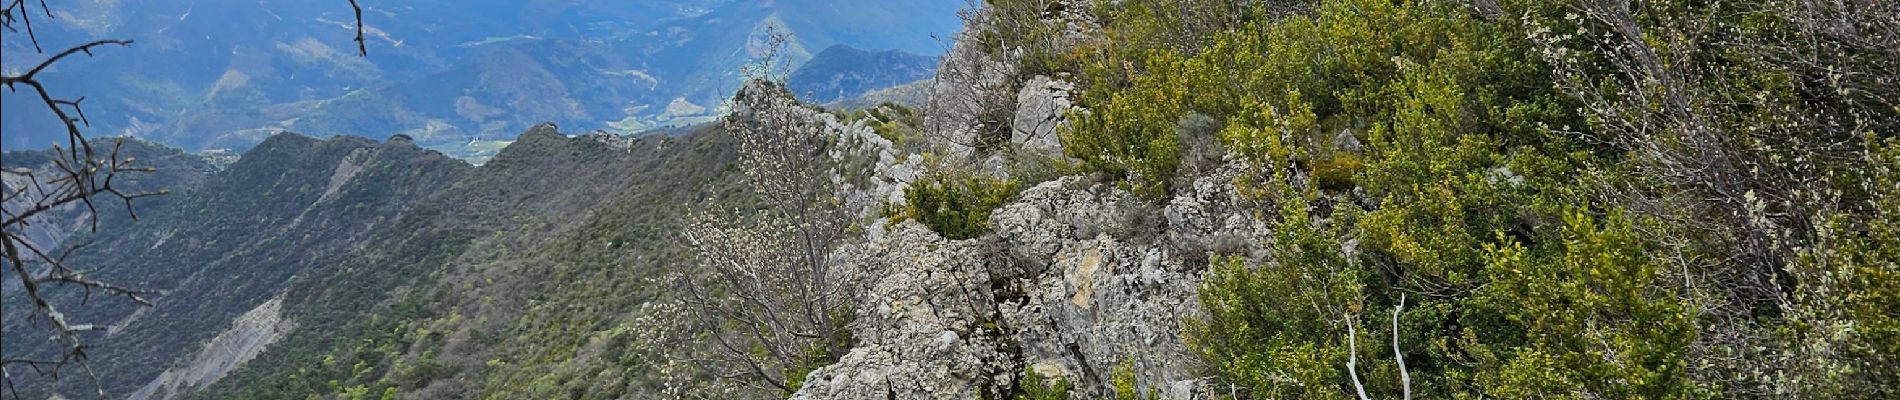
[84,48]
[362,49]
[77,176]
[16,12]
[1352,360]
[1405,377]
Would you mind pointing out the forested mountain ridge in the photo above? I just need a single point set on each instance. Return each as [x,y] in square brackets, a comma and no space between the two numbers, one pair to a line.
[174,170]
[332,241]
[467,277]
[220,248]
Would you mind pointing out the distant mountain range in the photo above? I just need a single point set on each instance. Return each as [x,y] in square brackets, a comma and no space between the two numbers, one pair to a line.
[228,240]
[209,74]
[305,249]
[844,72]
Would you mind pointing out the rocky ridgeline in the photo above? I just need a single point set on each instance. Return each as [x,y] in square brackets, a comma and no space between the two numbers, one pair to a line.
[1079,279]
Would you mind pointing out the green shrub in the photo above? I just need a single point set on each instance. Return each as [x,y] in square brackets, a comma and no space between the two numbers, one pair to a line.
[957,207]
[1017,30]
[1336,172]
[1035,386]
[1846,327]
[1145,90]
[1444,101]
[1129,131]
[1122,379]
[1253,342]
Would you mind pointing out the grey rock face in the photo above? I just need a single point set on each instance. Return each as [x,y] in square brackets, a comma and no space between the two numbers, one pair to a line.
[247,338]
[1112,290]
[1041,106]
[1102,304]
[875,172]
[1078,279]
[926,326]
[888,171]
[1211,216]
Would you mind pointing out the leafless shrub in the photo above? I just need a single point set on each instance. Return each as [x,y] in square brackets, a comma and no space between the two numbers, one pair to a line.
[1640,101]
[1644,76]
[769,300]
[973,96]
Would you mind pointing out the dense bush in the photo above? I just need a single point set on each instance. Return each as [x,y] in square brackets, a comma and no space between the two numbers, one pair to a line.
[1444,102]
[1133,144]
[957,207]
[1034,386]
[1532,223]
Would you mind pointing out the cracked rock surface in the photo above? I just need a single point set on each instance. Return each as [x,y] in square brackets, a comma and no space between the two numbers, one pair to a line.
[1076,280]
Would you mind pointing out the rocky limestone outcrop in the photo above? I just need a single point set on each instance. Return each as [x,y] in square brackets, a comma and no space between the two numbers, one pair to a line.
[926,326]
[348,168]
[861,149]
[1077,280]
[1042,105]
[1108,280]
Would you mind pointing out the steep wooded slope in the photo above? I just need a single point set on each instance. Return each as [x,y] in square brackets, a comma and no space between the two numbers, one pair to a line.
[290,206]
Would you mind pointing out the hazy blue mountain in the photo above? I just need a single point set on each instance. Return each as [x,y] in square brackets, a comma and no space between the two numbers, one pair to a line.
[229,73]
[843,72]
